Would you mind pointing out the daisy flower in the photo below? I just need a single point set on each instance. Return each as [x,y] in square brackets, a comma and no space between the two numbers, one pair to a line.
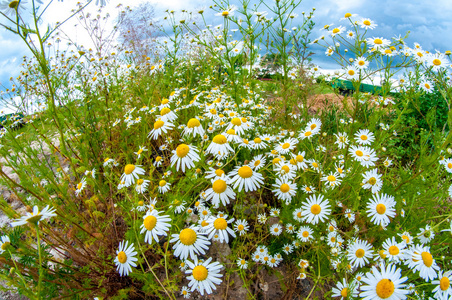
[359,253]
[393,251]
[331,180]
[381,208]
[154,225]
[184,156]
[361,63]
[131,173]
[437,61]
[285,190]
[142,186]
[406,237]
[443,290]
[245,177]
[185,292]
[242,264]
[204,275]
[422,260]
[273,262]
[372,181]
[386,283]
[350,35]
[448,165]
[364,155]
[337,30]
[276,229]
[238,126]
[160,127]
[194,128]
[258,143]
[189,242]
[426,235]
[304,233]
[364,137]
[345,290]
[158,161]
[241,226]
[164,186]
[140,151]
[5,242]
[350,215]
[219,226]
[220,192]
[287,146]
[367,23]
[288,248]
[426,86]
[316,209]
[35,216]
[228,12]
[378,43]
[341,140]
[219,146]
[80,186]
[91,173]
[257,162]
[285,171]
[308,189]
[351,73]
[125,258]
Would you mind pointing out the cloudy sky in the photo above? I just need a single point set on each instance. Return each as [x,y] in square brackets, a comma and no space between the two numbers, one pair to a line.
[429,23]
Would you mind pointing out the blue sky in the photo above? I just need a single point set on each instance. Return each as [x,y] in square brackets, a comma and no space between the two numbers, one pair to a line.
[429,23]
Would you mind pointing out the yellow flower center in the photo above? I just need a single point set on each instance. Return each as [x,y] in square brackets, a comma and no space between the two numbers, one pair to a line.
[236,122]
[444,283]
[240,227]
[158,124]
[257,140]
[5,245]
[225,13]
[140,181]
[220,139]
[13,4]
[285,145]
[351,72]
[79,186]
[359,253]
[286,169]
[361,62]
[242,262]
[385,288]
[307,133]
[299,214]
[213,111]
[140,203]
[204,223]
[200,273]
[219,186]
[406,239]
[366,22]
[449,165]
[220,224]
[316,209]
[122,257]
[245,172]
[276,160]
[158,158]
[333,239]
[187,236]
[150,222]
[378,41]
[372,181]
[305,234]
[257,163]
[164,111]
[359,153]
[162,183]
[231,132]
[344,292]
[300,158]
[192,123]
[381,208]
[393,250]
[437,62]
[331,178]
[315,165]
[128,169]
[293,162]
[219,172]
[182,150]
[336,30]
[427,258]
[427,86]
[382,254]
[284,188]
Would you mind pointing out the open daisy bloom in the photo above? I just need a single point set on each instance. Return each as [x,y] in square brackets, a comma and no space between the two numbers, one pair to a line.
[131,173]
[359,253]
[5,243]
[194,128]
[443,289]
[345,290]
[316,210]
[35,216]
[285,190]
[184,156]
[385,283]
[380,208]
[220,192]
[204,275]
[160,127]
[245,177]
[219,226]
[125,258]
[219,147]
[189,242]
[154,225]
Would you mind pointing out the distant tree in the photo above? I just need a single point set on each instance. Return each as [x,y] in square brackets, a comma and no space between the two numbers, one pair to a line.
[138,31]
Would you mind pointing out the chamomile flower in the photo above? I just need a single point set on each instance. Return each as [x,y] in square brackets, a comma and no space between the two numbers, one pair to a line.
[393,251]
[372,181]
[359,253]
[5,243]
[193,128]
[125,258]
[422,260]
[364,155]
[220,192]
[361,63]
[141,186]
[304,233]
[386,283]
[242,264]
[243,177]
[164,186]
[426,235]
[364,137]
[238,126]
[131,172]
[189,242]
[366,23]
[219,147]
[437,61]
[351,73]
[160,127]
[154,225]
[140,151]
[80,186]
[204,275]
[381,208]
[341,140]
[427,86]
[158,161]
[276,229]
[91,173]
[35,216]
[345,290]
[406,237]
[288,248]
[316,209]
[257,162]
[331,180]
[184,157]
[185,292]
[287,146]
[443,290]
[377,43]
[219,226]
[241,226]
